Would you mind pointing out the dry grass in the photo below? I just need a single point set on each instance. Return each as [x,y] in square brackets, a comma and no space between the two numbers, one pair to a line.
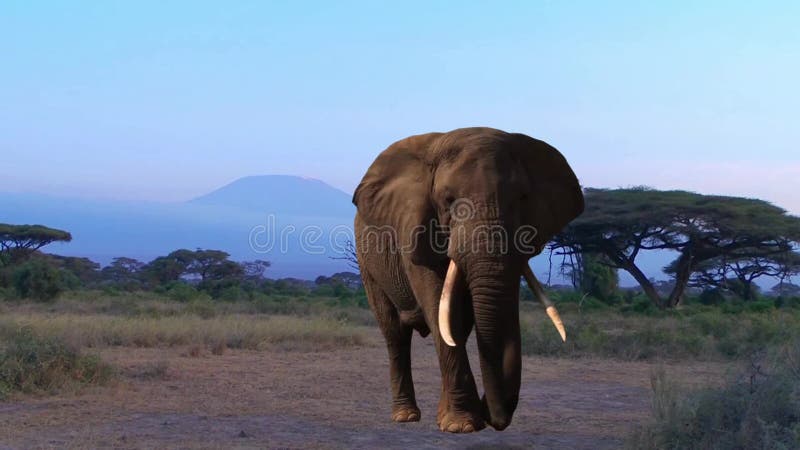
[758,408]
[150,304]
[217,333]
[32,363]
[707,335]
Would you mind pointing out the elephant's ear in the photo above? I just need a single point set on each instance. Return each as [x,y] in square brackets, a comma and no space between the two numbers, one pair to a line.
[555,197]
[395,191]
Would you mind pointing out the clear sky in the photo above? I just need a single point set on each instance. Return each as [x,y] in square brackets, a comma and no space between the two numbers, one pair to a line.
[166,100]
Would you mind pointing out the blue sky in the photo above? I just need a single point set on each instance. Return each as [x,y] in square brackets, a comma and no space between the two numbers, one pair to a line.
[168,100]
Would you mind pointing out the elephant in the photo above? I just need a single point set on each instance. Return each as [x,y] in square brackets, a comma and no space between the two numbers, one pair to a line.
[435,216]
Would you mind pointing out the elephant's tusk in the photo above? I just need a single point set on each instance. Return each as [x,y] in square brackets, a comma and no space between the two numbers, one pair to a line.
[445,304]
[550,308]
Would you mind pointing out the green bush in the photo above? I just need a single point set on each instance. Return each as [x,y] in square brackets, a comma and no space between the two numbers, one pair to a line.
[69,281]
[788,302]
[592,304]
[182,292]
[639,304]
[713,296]
[232,294]
[712,324]
[30,364]
[6,293]
[598,279]
[732,307]
[37,280]
[760,409]
[760,306]
[542,339]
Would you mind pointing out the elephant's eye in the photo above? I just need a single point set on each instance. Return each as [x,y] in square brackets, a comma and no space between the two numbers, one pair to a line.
[449,200]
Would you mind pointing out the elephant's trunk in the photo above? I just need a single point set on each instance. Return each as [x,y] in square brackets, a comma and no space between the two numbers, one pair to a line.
[495,300]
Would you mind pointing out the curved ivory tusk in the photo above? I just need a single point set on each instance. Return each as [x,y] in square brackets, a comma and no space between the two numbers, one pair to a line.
[445,304]
[550,308]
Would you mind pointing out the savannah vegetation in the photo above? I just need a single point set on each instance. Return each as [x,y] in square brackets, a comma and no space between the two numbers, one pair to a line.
[55,310]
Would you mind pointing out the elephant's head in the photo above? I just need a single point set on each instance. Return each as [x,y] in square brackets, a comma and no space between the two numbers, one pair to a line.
[494,199]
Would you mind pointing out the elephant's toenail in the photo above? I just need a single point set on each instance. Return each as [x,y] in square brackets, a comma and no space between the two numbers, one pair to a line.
[453,428]
[468,428]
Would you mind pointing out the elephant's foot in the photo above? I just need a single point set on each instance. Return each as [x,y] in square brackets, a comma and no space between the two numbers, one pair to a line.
[460,422]
[408,413]
[454,419]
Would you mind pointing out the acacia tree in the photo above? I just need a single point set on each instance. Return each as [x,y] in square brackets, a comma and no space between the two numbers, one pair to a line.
[123,269]
[254,270]
[84,269]
[738,274]
[124,272]
[164,269]
[621,223]
[207,265]
[18,242]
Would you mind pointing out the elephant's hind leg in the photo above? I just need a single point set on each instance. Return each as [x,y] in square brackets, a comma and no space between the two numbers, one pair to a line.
[398,342]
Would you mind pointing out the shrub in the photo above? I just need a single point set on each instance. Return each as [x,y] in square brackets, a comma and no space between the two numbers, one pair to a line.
[30,363]
[760,306]
[598,279]
[182,292]
[713,296]
[69,281]
[37,280]
[758,410]
[231,294]
[591,304]
[6,294]
[789,302]
[733,307]
[639,304]
[712,324]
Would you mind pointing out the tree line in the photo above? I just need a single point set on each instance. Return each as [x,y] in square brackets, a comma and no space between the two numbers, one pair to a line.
[722,243]
[30,273]
[722,246]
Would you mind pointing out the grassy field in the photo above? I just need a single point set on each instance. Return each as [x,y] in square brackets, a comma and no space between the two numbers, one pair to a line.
[692,333]
[231,331]
[48,347]
[95,319]
[54,347]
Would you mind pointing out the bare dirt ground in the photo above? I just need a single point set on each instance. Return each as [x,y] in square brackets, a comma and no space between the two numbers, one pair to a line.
[340,399]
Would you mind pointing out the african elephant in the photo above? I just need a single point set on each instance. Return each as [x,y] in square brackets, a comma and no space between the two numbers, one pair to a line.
[439,240]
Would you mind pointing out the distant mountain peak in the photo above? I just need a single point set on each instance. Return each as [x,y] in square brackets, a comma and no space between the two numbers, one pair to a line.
[280,194]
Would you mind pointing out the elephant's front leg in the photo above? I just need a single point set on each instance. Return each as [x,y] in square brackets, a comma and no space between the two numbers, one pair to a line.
[398,343]
[459,406]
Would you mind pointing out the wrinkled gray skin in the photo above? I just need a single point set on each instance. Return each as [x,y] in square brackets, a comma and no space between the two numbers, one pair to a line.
[508,180]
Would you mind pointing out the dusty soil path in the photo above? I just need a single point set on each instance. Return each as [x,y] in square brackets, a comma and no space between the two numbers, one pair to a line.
[340,399]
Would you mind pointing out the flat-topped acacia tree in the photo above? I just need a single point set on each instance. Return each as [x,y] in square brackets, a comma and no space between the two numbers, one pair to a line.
[737,274]
[620,223]
[17,242]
